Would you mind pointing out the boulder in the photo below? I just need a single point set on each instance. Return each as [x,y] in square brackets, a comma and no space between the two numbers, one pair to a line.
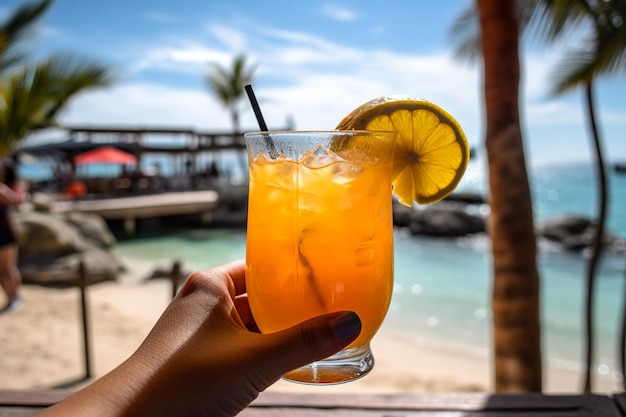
[52,245]
[465,197]
[100,265]
[93,228]
[41,202]
[575,233]
[47,236]
[444,219]
[445,223]
[402,214]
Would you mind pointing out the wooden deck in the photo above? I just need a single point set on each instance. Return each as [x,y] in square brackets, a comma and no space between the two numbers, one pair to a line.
[143,206]
[16,403]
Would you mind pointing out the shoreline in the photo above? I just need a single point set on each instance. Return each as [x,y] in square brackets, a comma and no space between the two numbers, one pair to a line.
[41,344]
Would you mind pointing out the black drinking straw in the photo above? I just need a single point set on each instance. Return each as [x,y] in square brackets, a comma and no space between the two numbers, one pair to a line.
[259,118]
[256,108]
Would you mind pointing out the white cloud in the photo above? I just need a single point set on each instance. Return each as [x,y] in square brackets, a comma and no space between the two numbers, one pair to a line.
[337,12]
[317,82]
[230,37]
[320,82]
[179,56]
[144,104]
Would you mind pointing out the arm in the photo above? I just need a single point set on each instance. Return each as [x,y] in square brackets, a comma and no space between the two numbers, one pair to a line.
[201,359]
[8,196]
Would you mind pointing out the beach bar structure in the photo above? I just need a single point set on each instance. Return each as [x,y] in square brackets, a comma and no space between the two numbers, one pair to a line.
[195,187]
[175,142]
[129,209]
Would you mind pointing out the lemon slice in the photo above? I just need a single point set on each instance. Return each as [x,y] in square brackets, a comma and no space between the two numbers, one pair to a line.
[431,151]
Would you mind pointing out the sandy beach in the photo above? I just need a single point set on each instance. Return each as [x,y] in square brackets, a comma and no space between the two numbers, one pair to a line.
[41,344]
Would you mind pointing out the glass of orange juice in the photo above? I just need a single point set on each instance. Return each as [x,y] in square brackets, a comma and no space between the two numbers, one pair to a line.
[319,236]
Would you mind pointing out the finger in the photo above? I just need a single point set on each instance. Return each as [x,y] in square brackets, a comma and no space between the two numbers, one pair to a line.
[236,272]
[312,340]
[230,276]
[243,309]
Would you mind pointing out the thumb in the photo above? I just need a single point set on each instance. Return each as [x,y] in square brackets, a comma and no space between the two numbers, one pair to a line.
[312,340]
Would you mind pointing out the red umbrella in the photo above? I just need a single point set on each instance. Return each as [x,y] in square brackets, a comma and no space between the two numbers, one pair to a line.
[105,155]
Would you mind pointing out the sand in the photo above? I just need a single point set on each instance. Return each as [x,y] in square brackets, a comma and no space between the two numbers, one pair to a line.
[41,345]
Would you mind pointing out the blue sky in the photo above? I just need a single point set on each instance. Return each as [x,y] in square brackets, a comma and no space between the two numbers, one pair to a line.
[315,62]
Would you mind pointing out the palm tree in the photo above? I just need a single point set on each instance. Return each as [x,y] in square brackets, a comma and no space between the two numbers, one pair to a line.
[602,53]
[15,31]
[228,86]
[33,94]
[515,297]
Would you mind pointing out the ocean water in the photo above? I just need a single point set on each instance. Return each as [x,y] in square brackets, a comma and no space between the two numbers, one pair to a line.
[442,287]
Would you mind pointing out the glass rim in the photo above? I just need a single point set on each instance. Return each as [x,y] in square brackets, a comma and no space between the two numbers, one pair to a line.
[323,131]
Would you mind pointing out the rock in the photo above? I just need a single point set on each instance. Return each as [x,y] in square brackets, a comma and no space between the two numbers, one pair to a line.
[402,214]
[51,246]
[445,223]
[41,202]
[563,227]
[443,219]
[458,214]
[45,236]
[575,233]
[92,228]
[100,265]
[466,197]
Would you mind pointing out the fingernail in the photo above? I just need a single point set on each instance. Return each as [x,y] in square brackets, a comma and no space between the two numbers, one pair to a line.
[346,326]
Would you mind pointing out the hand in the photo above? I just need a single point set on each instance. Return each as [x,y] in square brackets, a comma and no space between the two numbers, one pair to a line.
[201,359]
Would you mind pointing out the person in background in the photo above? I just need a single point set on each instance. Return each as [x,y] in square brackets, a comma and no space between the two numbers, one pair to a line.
[10,198]
[204,356]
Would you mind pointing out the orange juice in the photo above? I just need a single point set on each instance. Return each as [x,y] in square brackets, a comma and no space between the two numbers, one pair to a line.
[319,236]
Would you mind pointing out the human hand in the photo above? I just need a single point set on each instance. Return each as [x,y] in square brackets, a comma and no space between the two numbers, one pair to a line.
[201,359]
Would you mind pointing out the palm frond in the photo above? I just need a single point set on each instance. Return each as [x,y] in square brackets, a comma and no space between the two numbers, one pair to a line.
[68,75]
[613,61]
[611,39]
[16,30]
[227,84]
[465,34]
[14,117]
[603,53]
[218,83]
[465,30]
[573,71]
[34,95]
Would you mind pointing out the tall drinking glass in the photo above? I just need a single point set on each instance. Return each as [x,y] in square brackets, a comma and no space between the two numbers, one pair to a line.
[320,237]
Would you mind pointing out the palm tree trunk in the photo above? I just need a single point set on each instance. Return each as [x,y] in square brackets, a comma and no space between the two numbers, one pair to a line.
[592,266]
[515,297]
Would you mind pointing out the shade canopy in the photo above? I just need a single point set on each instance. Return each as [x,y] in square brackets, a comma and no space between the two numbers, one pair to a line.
[105,155]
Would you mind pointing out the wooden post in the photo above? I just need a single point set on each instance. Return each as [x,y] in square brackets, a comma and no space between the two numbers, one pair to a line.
[82,282]
[175,276]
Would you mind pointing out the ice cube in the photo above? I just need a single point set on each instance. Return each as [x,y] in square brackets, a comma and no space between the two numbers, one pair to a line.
[283,175]
[345,172]
[365,254]
[320,157]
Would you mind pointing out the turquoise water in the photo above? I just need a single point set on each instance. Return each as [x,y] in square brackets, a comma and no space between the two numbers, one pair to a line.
[442,286]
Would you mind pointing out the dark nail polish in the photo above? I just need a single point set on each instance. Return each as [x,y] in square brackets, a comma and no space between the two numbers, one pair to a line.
[346,326]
